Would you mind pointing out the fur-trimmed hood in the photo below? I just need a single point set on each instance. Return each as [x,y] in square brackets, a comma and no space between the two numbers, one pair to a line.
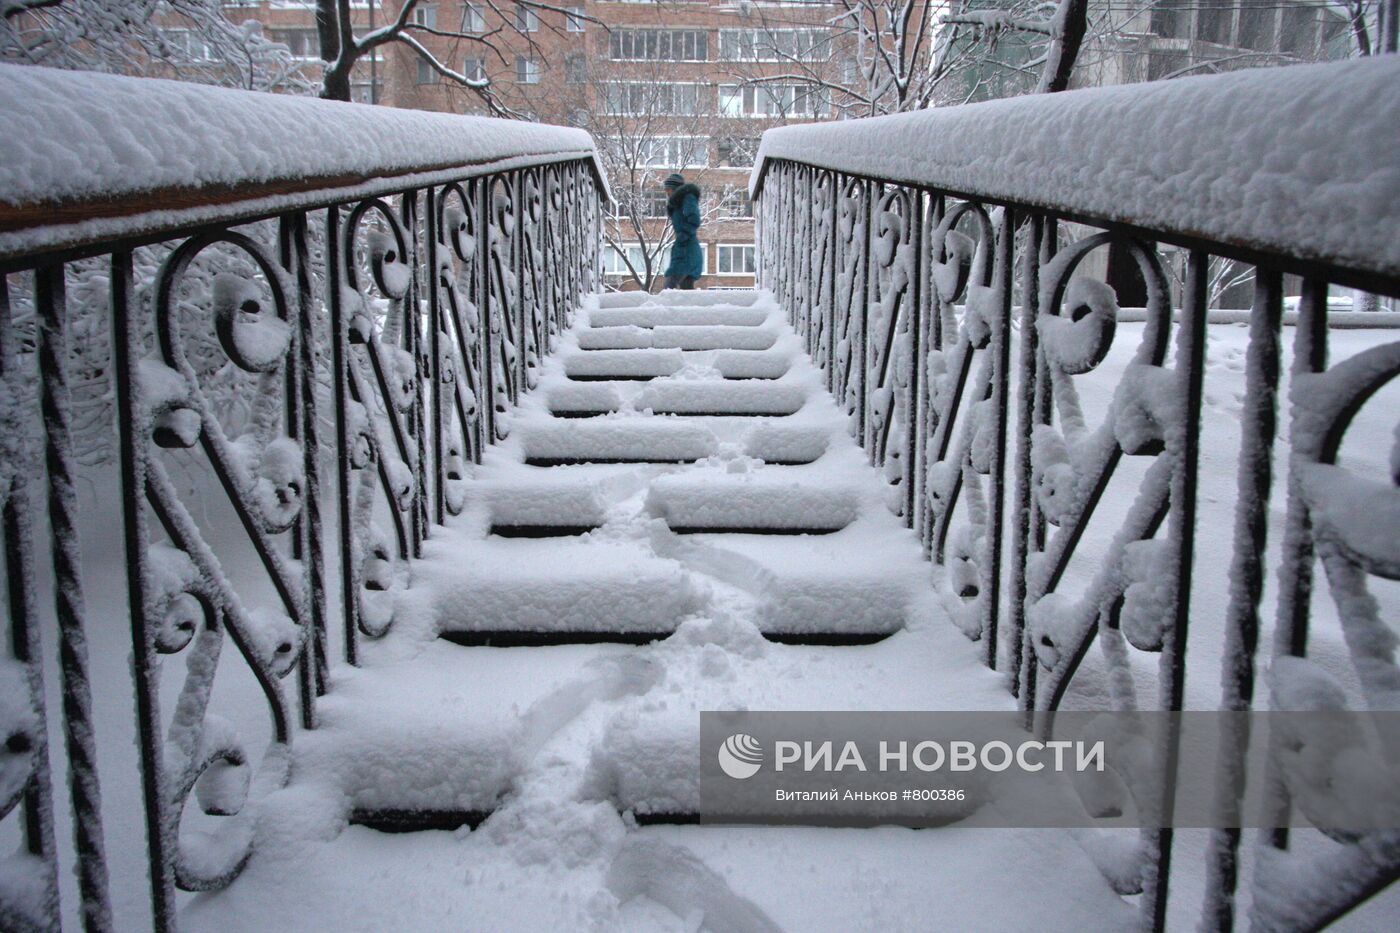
[677,197]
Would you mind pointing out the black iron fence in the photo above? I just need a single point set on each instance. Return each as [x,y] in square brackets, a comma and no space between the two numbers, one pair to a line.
[938,263]
[360,331]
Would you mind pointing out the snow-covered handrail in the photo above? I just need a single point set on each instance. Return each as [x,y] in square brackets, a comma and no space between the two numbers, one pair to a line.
[1299,160]
[962,275]
[90,157]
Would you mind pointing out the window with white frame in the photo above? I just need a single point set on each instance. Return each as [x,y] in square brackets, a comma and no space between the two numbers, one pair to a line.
[427,74]
[668,152]
[615,264]
[576,68]
[774,45]
[424,14]
[474,68]
[734,259]
[771,100]
[736,205]
[526,19]
[736,151]
[639,98]
[301,43]
[573,19]
[527,70]
[186,45]
[473,19]
[659,45]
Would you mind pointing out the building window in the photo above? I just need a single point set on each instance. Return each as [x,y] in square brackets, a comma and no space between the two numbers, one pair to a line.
[300,43]
[427,74]
[425,14]
[771,100]
[774,45]
[364,92]
[734,259]
[527,70]
[614,262]
[637,98]
[1297,31]
[186,46]
[1171,19]
[1256,25]
[737,152]
[736,206]
[473,20]
[474,69]
[573,19]
[576,68]
[526,19]
[659,45]
[664,152]
[1213,23]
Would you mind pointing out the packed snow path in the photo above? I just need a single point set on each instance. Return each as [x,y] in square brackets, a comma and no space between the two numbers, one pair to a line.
[678,521]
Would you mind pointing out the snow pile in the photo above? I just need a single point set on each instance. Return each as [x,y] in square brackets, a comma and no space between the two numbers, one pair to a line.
[1264,157]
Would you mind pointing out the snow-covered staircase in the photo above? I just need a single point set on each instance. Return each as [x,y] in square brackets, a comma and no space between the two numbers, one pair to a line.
[678,521]
[656,476]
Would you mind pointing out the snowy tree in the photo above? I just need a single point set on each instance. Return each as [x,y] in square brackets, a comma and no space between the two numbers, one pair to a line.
[890,56]
[189,40]
[341,48]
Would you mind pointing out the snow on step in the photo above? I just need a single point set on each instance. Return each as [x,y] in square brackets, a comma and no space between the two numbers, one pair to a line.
[751,503]
[752,364]
[648,317]
[560,585]
[780,443]
[713,337]
[685,298]
[624,337]
[516,506]
[623,364]
[697,397]
[617,440]
[583,398]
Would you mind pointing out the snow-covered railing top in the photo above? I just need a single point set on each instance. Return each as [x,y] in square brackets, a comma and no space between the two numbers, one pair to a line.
[1302,161]
[87,158]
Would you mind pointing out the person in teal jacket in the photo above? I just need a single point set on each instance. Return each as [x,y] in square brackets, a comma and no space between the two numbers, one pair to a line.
[683,206]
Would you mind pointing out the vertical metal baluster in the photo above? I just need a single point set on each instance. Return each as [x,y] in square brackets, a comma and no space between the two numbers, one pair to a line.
[49,302]
[1181,532]
[431,206]
[861,291]
[1004,271]
[1295,577]
[829,275]
[485,343]
[132,435]
[340,386]
[913,301]
[1255,481]
[412,338]
[25,643]
[302,427]
[1025,425]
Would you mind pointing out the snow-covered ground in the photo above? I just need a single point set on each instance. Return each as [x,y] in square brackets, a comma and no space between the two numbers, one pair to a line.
[565,743]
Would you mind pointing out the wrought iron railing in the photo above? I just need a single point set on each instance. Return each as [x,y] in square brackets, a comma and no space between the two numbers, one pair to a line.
[935,263]
[294,295]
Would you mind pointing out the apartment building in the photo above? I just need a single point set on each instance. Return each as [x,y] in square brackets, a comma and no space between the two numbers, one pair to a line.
[664,87]
[293,23]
